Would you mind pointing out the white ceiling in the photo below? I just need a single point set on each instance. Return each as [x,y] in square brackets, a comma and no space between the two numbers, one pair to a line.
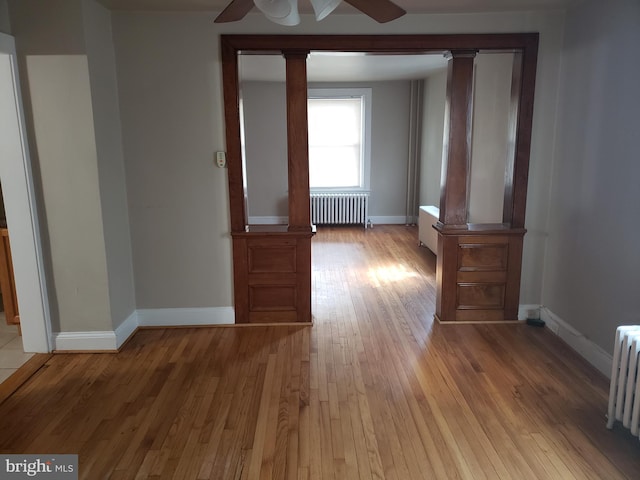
[348,67]
[344,67]
[411,6]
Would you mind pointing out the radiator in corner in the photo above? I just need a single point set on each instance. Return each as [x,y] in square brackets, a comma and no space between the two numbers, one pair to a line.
[624,391]
[339,208]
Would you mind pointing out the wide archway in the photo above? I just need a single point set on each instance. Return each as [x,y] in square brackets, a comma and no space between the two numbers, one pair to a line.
[478,270]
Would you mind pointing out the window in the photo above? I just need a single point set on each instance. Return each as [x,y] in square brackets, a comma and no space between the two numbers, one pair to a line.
[339,132]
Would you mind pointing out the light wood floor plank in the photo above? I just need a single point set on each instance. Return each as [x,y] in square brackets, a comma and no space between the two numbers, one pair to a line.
[373,390]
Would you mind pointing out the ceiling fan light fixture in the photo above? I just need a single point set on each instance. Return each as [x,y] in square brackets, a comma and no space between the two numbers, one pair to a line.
[282,12]
[322,8]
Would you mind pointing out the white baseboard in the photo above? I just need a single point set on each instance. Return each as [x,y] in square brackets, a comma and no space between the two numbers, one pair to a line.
[163,317]
[389,220]
[523,310]
[126,328]
[84,341]
[379,220]
[595,355]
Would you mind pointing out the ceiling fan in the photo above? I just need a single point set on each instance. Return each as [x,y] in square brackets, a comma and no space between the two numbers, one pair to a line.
[285,12]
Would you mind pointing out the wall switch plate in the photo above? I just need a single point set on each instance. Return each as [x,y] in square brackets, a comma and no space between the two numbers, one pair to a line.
[221,159]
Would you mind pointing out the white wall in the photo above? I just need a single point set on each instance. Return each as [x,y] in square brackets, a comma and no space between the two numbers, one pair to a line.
[169,90]
[389,148]
[172,120]
[265,121]
[108,138]
[68,72]
[592,265]
[55,76]
[170,99]
[491,101]
[434,101]
[65,139]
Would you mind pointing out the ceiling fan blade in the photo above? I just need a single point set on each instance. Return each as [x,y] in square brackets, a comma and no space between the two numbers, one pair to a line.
[382,11]
[235,11]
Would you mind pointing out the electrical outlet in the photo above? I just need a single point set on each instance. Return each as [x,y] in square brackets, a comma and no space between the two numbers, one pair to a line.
[221,159]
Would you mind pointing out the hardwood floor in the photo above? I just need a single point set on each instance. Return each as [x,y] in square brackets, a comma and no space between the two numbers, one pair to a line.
[373,390]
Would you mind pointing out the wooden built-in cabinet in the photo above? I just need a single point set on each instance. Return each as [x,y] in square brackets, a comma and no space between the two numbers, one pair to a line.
[272,274]
[7,283]
[479,268]
[271,263]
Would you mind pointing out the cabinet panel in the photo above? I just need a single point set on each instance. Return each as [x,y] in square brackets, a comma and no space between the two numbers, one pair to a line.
[272,297]
[482,256]
[479,296]
[272,259]
[273,276]
[483,275]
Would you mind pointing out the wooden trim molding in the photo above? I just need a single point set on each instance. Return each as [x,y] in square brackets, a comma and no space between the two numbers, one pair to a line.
[22,374]
[231,94]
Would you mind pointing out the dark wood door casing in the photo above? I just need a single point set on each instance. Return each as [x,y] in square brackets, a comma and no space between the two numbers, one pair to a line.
[478,291]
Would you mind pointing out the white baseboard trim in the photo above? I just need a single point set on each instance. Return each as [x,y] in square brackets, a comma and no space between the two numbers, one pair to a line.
[591,352]
[171,317]
[126,328]
[84,341]
[380,220]
[523,310]
[389,220]
[162,317]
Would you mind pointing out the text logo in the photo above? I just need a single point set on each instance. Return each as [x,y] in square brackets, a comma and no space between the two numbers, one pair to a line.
[51,467]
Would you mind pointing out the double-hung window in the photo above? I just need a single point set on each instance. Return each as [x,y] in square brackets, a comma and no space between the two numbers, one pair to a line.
[339,139]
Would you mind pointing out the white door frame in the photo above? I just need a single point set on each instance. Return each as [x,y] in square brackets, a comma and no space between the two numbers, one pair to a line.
[20,207]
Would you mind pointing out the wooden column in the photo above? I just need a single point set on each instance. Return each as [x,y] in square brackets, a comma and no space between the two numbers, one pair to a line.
[272,263]
[298,141]
[456,152]
[478,266]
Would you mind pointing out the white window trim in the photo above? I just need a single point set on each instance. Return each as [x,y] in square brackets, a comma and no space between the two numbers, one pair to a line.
[365,94]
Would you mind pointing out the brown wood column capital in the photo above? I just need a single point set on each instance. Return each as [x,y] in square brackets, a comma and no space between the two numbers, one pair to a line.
[295,54]
[456,152]
[297,140]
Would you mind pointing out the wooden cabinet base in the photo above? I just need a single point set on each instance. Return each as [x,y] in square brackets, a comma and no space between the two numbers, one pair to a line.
[272,277]
[478,274]
[7,284]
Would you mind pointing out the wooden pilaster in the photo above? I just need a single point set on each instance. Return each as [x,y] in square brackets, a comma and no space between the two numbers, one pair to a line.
[456,152]
[297,141]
